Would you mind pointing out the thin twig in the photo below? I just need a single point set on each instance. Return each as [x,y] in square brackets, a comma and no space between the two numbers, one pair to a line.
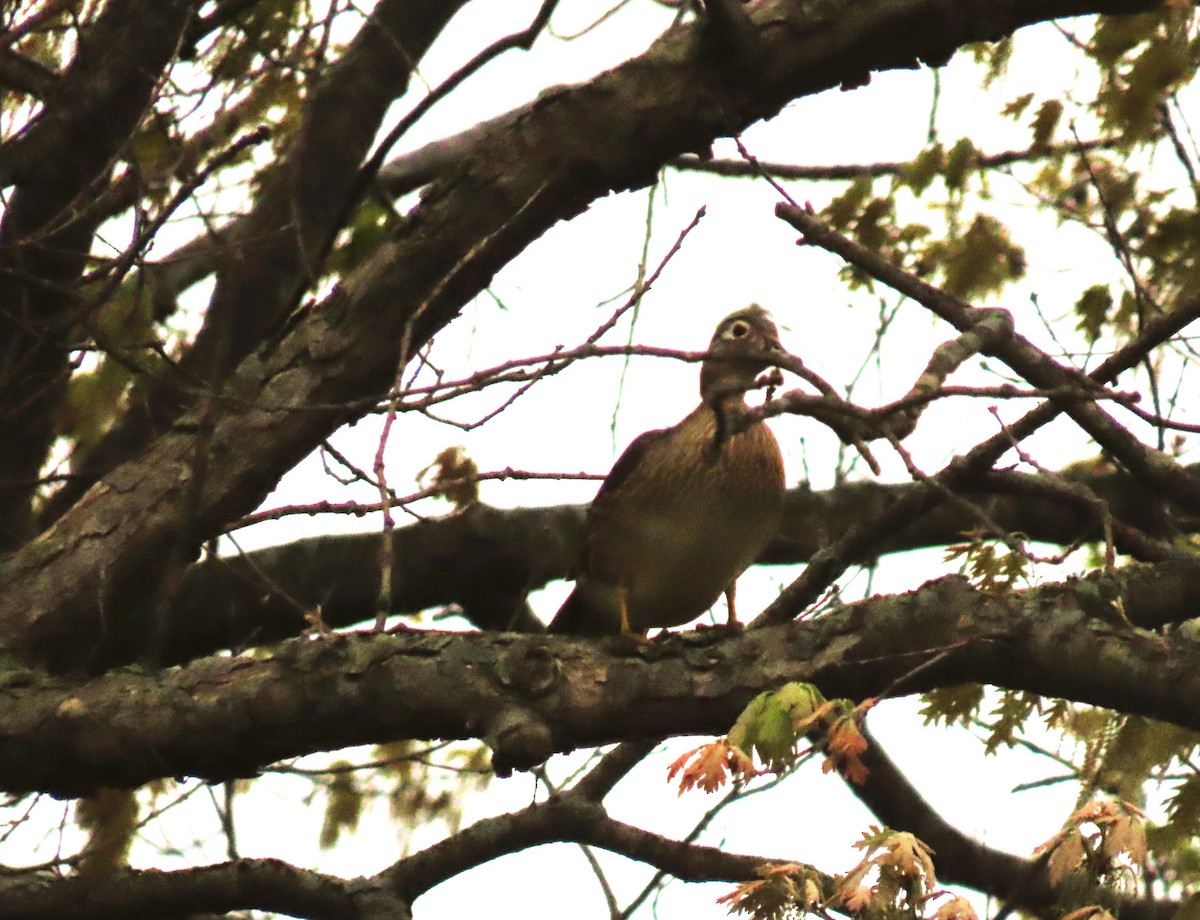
[361,509]
[745,169]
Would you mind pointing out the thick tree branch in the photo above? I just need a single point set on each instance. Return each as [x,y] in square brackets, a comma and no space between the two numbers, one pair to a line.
[261,884]
[278,250]
[613,767]
[197,259]
[575,816]
[266,884]
[487,559]
[25,75]
[45,234]
[571,818]
[547,165]
[530,696]
[103,92]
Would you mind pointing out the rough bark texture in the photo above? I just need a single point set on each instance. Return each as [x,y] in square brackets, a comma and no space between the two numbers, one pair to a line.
[487,559]
[82,578]
[532,696]
[108,582]
[45,234]
[280,245]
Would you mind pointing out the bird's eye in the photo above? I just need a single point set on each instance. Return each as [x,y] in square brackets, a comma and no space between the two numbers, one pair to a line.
[739,330]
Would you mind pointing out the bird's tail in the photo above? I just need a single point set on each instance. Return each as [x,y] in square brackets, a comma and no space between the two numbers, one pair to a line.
[573,618]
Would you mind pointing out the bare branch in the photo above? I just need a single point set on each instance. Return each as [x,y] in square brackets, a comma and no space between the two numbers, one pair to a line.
[742,168]
[1031,363]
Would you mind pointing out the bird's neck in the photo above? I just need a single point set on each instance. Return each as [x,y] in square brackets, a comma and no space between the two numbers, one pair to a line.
[723,395]
[728,409]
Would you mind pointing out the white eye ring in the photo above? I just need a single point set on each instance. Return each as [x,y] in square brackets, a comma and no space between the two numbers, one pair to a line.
[739,330]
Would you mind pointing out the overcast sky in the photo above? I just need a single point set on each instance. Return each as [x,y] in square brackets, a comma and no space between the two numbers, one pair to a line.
[555,294]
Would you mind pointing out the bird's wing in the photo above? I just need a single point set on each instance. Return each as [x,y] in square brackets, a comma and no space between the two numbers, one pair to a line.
[624,473]
[577,616]
[627,464]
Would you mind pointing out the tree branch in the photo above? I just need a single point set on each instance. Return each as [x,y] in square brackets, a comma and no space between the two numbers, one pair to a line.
[485,560]
[961,859]
[530,696]
[261,884]
[1149,465]
[279,249]
[578,143]
[45,237]
[569,818]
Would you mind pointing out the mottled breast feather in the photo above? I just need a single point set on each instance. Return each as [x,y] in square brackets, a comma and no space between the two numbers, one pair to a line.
[689,521]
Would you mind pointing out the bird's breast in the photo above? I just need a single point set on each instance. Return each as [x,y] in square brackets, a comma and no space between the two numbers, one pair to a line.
[698,519]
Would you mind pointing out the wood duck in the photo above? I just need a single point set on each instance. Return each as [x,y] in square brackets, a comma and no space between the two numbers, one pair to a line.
[687,509]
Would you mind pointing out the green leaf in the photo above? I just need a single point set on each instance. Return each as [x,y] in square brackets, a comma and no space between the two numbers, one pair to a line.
[871,228]
[1129,101]
[1183,815]
[982,260]
[365,231]
[343,807]
[111,819]
[926,167]
[960,163]
[1009,717]
[767,726]
[1093,308]
[1017,107]
[952,705]
[995,56]
[842,210]
[1048,115]
[1116,35]
[1140,748]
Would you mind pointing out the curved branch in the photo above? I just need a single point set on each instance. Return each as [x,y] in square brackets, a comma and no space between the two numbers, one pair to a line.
[961,859]
[1151,466]
[548,165]
[613,767]
[262,884]
[278,249]
[569,818]
[828,564]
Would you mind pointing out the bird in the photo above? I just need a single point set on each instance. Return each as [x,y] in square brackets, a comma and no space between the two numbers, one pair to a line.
[686,509]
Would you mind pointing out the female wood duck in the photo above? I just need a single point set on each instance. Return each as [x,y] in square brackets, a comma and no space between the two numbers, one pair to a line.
[687,509]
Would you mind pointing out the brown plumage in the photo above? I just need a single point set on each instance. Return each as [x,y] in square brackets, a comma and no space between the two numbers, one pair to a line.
[687,509]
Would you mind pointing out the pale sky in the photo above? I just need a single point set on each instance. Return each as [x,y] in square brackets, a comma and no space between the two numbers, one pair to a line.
[739,254]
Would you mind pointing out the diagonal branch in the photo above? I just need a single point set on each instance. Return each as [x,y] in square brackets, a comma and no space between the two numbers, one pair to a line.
[570,818]
[45,238]
[279,248]
[547,165]
[1152,466]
